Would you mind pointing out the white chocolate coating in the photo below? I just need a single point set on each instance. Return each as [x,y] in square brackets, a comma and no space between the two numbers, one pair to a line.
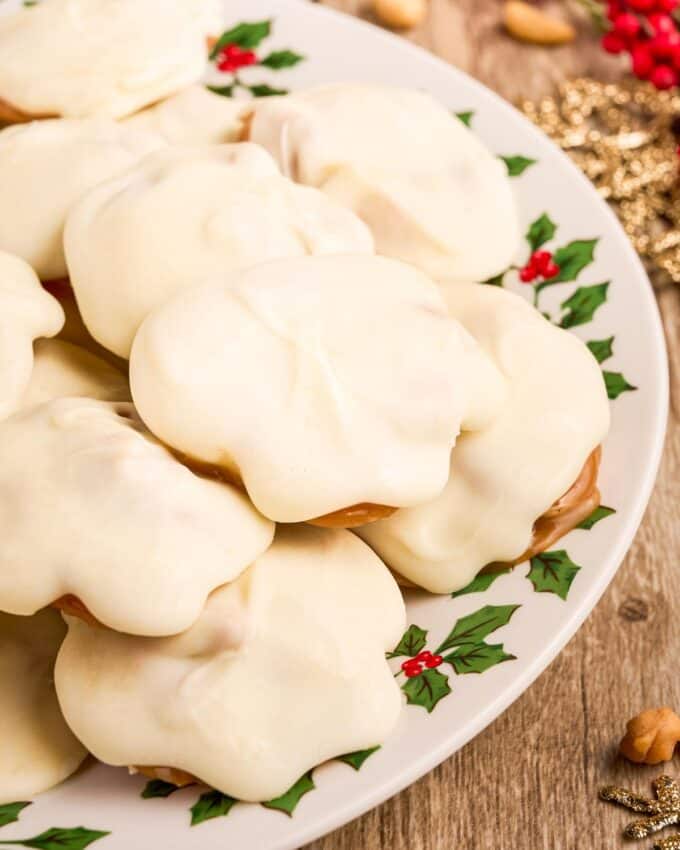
[430,191]
[102,58]
[284,670]
[324,381]
[38,750]
[61,369]
[194,116]
[26,313]
[508,474]
[45,167]
[109,515]
[184,215]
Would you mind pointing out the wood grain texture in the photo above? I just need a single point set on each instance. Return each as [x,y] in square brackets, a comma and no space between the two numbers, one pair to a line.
[530,781]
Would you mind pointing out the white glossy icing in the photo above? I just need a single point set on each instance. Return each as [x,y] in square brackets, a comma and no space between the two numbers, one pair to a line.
[83,58]
[431,193]
[38,750]
[325,381]
[194,116]
[509,473]
[26,313]
[110,516]
[61,369]
[182,215]
[45,167]
[285,669]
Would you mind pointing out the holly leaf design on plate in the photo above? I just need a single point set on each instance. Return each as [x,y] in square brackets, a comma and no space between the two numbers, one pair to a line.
[357,758]
[517,165]
[553,572]
[601,349]
[281,59]
[582,305]
[246,35]
[465,117]
[9,812]
[599,513]
[288,802]
[223,91]
[413,640]
[212,804]
[495,281]
[477,657]
[616,384]
[572,259]
[426,689]
[540,231]
[477,626]
[58,838]
[263,90]
[158,788]
[481,582]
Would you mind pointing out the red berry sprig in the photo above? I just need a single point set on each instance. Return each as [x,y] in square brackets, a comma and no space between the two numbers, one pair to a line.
[233,57]
[424,660]
[540,266]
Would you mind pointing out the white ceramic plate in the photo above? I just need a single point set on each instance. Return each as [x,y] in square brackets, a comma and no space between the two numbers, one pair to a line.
[533,611]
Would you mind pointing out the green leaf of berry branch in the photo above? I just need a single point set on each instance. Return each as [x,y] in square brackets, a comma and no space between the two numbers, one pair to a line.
[465,117]
[9,813]
[158,788]
[598,514]
[477,657]
[263,90]
[517,165]
[582,305]
[357,758]
[553,572]
[426,689]
[481,582]
[288,802]
[477,626]
[212,804]
[601,349]
[540,231]
[572,259]
[58,838]
[246,35]
[224,91]
[281,59]
[616,384]
[413,640]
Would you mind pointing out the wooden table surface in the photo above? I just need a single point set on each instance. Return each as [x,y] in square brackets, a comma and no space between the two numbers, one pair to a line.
[529,782]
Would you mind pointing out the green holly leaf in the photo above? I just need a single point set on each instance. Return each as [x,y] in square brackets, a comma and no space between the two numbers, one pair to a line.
[616,384]
[413,640]
[212,804]
[263,90]
[553,572]
[158,788]
[572,259]
[601,349]
[357,759]
[599,513]
[540,231]
[465,117]
[426,689]
[477,626]
[281,59]
[477,657]
[495,281]
[481,582]
[287,802]
[517,165]
[581,306]
[224,91]
[246,35]
[9,813]
[58,838]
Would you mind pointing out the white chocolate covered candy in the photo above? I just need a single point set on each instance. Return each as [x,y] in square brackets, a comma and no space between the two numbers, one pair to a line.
[96,509]
[45,167]
[323,382]
[38,749]
[26,313]
[284,669]
[430,191]
[61,369]
[103,58]
[184,214]
[506,475]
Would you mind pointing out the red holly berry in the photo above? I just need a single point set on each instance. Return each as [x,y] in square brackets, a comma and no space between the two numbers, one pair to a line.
[412,668]
[642,61]
[613,11]
[667,5]
[551,270]
[627,25]
[232,57]
[528,274]
[433,662]
[660,22]
[613,43]
[539,260]
[423,656]
[664,77]
[642,5]
[664,44]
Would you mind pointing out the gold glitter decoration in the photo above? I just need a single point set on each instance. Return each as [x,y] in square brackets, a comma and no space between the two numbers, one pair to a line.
[662,811]
[623,136]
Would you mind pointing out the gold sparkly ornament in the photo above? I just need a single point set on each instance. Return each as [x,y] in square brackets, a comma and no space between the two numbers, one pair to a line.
[624,137]
[662,811]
